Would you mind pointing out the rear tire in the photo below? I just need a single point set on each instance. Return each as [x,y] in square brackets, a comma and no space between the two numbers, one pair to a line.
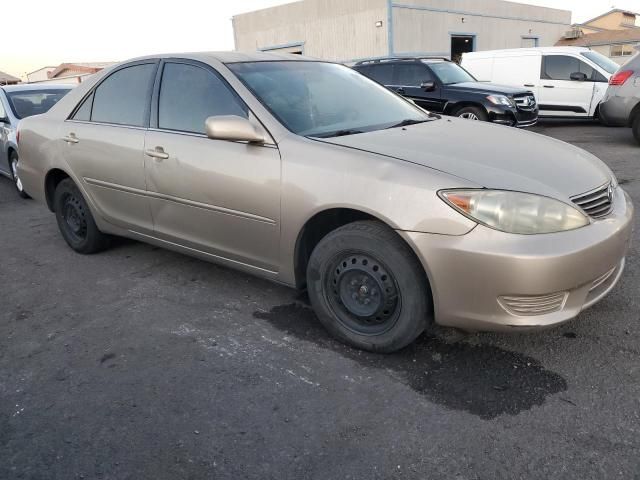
[368,288]
[636,127]
[472,113]
[13,164]
[75,220]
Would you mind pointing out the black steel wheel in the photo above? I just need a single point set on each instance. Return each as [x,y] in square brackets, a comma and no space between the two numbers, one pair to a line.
[368,288]
[365,292]
[75,220]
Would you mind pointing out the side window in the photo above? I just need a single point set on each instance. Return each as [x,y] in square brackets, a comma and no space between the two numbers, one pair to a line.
[411,75]
[123,97]
[560,67]
[190,94]
[84,112]
[381,73]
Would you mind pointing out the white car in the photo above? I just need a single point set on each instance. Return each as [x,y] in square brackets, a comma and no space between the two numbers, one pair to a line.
[567,81]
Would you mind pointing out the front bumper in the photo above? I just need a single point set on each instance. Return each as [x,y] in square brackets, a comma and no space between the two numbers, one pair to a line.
[513,117]
[472,275]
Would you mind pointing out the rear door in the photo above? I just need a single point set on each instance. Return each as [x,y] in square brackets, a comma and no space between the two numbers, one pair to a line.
[558,93]
[103,142]
[216,196]
[407,81]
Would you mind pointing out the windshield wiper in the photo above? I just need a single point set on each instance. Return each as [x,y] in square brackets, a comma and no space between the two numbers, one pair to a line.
[406,123]
[339,133]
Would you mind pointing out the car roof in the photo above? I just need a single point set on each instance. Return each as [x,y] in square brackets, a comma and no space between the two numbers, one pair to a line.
[527,51]
[27,87]
[231,57]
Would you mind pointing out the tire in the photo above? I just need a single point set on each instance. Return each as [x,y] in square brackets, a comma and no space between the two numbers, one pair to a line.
[636,127]
[472,113]
[368,261]
[13,165]
[75,220]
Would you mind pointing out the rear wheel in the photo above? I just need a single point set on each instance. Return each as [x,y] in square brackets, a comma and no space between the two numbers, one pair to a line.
[472,113]
[636,127]
[367,287]
[75,221]
[13,162]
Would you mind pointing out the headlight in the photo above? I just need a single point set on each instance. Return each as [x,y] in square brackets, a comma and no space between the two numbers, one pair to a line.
[501,100]
[515,212]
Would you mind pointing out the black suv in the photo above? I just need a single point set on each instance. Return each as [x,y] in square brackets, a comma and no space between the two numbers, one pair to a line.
[442,86]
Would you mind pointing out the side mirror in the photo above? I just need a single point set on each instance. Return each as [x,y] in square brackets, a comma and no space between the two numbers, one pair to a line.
[578,77]
[232,128]
[428,86]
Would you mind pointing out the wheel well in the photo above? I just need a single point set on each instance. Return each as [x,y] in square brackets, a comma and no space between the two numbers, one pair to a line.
[316,228]
[634,113]
[51,181]
[457,106]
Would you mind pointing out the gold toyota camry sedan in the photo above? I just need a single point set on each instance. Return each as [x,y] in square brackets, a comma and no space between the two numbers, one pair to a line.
[310,174]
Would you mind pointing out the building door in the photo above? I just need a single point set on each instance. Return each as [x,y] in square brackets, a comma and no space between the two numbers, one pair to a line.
[461,44]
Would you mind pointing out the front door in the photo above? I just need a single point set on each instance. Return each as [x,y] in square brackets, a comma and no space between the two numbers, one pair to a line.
[104,143]
[408,79]
[220,197]
[558,93]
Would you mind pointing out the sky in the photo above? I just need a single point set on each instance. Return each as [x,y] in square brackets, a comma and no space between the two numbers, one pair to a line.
[39,33]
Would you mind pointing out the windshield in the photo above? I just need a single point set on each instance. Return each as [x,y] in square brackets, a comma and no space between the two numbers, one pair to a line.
[603,62]
[324,99]
[34,102]
[449,73]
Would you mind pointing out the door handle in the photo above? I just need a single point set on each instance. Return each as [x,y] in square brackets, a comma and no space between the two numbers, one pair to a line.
[548,86]
[157,153]
[71,138]
[529,85]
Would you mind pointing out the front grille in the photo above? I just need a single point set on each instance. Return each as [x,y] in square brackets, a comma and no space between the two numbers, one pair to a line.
[526,101]
[596,203]
[525,306]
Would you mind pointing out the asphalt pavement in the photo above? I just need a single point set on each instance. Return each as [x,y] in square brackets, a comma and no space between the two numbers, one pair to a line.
[140,363]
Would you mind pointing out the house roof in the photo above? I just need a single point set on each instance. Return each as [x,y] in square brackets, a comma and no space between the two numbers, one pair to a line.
[84,67]
[607,37]
[6,78]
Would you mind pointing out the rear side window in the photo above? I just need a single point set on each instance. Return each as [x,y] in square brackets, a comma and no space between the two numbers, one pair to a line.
[122,99]
[560,67]
[411,75]
[380,73]
[83,114]
[3,114]
[190,94]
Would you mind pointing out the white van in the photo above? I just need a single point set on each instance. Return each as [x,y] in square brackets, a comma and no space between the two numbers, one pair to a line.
[567,81]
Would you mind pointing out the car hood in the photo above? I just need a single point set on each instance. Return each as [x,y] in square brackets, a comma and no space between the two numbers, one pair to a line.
[489,156]
[486,88]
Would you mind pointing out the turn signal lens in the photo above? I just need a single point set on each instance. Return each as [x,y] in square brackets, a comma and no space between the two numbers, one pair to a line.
[515,212]
[620,77]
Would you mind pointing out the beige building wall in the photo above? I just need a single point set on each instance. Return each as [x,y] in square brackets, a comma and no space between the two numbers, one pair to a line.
[426,26]
[344,30]
[614,21]
[327,29]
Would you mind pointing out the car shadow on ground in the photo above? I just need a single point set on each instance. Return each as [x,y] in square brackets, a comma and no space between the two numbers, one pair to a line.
[482,379]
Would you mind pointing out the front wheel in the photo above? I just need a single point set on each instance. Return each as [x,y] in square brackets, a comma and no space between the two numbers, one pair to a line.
[367,287]
[13,162]
[472,113]
[75,220]
[636,127]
